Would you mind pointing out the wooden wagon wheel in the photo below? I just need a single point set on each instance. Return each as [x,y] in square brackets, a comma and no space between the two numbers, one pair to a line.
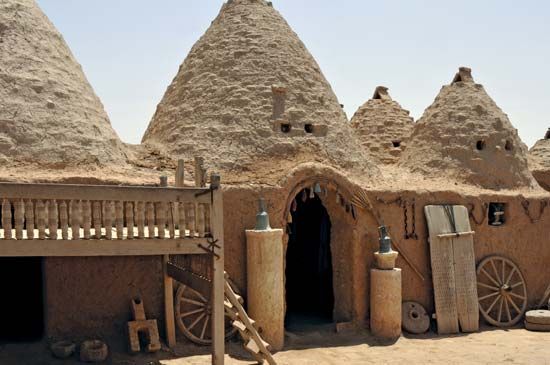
[502,293]
[194,316]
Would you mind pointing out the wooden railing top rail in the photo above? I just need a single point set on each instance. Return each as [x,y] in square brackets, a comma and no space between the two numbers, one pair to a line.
[103,192]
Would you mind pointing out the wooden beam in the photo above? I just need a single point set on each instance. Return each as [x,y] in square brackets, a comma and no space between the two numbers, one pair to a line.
[218,277]
[169,304]
[102,192]
[79,248]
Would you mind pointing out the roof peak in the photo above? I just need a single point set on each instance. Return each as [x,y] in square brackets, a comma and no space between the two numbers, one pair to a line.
[464,74]
[381,93]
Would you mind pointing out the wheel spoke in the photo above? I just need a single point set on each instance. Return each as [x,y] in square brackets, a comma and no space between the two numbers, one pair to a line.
[204,327]
[503,271]
[492,305]
[510,276]
[196,321]
[507,309]
[500,310]
[487,286]
[517,296]
[516,284]
[495,270]
[187,314]
[489,296]
[187,300]
[489,277]
[513,304]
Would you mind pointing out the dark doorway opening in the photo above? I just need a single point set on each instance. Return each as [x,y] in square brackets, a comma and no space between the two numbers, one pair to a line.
[309,286]
[22,299]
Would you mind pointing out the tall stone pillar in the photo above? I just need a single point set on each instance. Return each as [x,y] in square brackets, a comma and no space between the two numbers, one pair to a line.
[385,296]
[265,283]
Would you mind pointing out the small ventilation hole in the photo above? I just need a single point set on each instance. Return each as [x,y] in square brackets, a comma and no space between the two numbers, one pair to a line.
[480,145]
[396,144]
[285,128]
[509,145]
[308,128]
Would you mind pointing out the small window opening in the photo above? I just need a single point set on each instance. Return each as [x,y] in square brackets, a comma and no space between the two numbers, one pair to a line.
[396,144]
[480,145]
[497,215]
[308,128]
[509,146]
[285,128]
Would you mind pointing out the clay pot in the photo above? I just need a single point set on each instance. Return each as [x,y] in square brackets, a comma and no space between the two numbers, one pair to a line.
[93,351]
[63,349]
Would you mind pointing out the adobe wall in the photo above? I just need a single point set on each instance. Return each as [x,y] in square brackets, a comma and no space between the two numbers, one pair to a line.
[523,238]
[90,297]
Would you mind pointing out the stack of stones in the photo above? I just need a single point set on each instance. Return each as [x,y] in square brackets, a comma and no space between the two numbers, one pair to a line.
[538,320]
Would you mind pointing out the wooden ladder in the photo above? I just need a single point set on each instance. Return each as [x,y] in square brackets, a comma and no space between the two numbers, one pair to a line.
[253,343]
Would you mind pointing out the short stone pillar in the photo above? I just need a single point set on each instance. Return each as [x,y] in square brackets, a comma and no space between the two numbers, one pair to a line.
[385,292]
[265,284]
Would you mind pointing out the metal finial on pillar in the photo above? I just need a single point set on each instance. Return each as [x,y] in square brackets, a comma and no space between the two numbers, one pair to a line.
[385,240]
[262,218]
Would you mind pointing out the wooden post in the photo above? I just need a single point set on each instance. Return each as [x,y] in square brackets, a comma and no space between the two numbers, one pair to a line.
[169,304]
[29,219]
[52,219]
[19,218]
[130,220]
[86,218]
[64,220]
[180,174]
[119,219]
[108,219]
[200,173]
[96,214]
[6,219]
[41,219]
[218,277]
[75,219]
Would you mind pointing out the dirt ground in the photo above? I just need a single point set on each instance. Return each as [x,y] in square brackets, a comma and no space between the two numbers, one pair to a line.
[323,347]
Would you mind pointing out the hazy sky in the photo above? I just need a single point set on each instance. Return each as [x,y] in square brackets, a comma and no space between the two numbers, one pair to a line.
[131,50]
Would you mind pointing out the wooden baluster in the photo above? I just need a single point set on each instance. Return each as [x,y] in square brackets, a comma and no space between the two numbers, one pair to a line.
[200,219]
[19,218]
[41,219]
[76,215]
[181,216]
[108,219]
[207,228]
[130,220]
[86,218]
[161,219]
[29,219]
[140,219]
[190,218]
[6,219]
[97,219]
[171,220]
[64,220]
[52,219]
[119,219]
[151,219]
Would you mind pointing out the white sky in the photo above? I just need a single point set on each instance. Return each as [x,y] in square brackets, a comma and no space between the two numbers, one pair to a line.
[131,50]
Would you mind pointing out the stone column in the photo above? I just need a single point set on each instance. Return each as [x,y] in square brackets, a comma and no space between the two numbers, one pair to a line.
[265,284]
[385,292]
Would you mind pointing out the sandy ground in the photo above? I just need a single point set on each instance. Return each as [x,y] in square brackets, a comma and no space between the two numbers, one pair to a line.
[514,346]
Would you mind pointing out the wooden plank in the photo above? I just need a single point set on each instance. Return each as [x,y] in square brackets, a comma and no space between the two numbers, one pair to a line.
[441,256]
[218,278]
[169,304]
[465,273]
[102,192]
[94,247]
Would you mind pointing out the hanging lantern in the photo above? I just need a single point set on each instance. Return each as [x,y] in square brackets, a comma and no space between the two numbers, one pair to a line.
[312,192]
[304,195]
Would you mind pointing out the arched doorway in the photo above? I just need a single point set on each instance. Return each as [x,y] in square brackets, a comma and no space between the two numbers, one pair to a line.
[309,279]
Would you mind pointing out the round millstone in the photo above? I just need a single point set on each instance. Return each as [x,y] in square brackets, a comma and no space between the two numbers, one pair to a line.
[537,327]
[414,317]
[538,317]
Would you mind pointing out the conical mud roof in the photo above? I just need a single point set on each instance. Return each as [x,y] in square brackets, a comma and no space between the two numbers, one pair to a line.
[465,137]
[49,114]
[249,94]
[383,127]
[539,158]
